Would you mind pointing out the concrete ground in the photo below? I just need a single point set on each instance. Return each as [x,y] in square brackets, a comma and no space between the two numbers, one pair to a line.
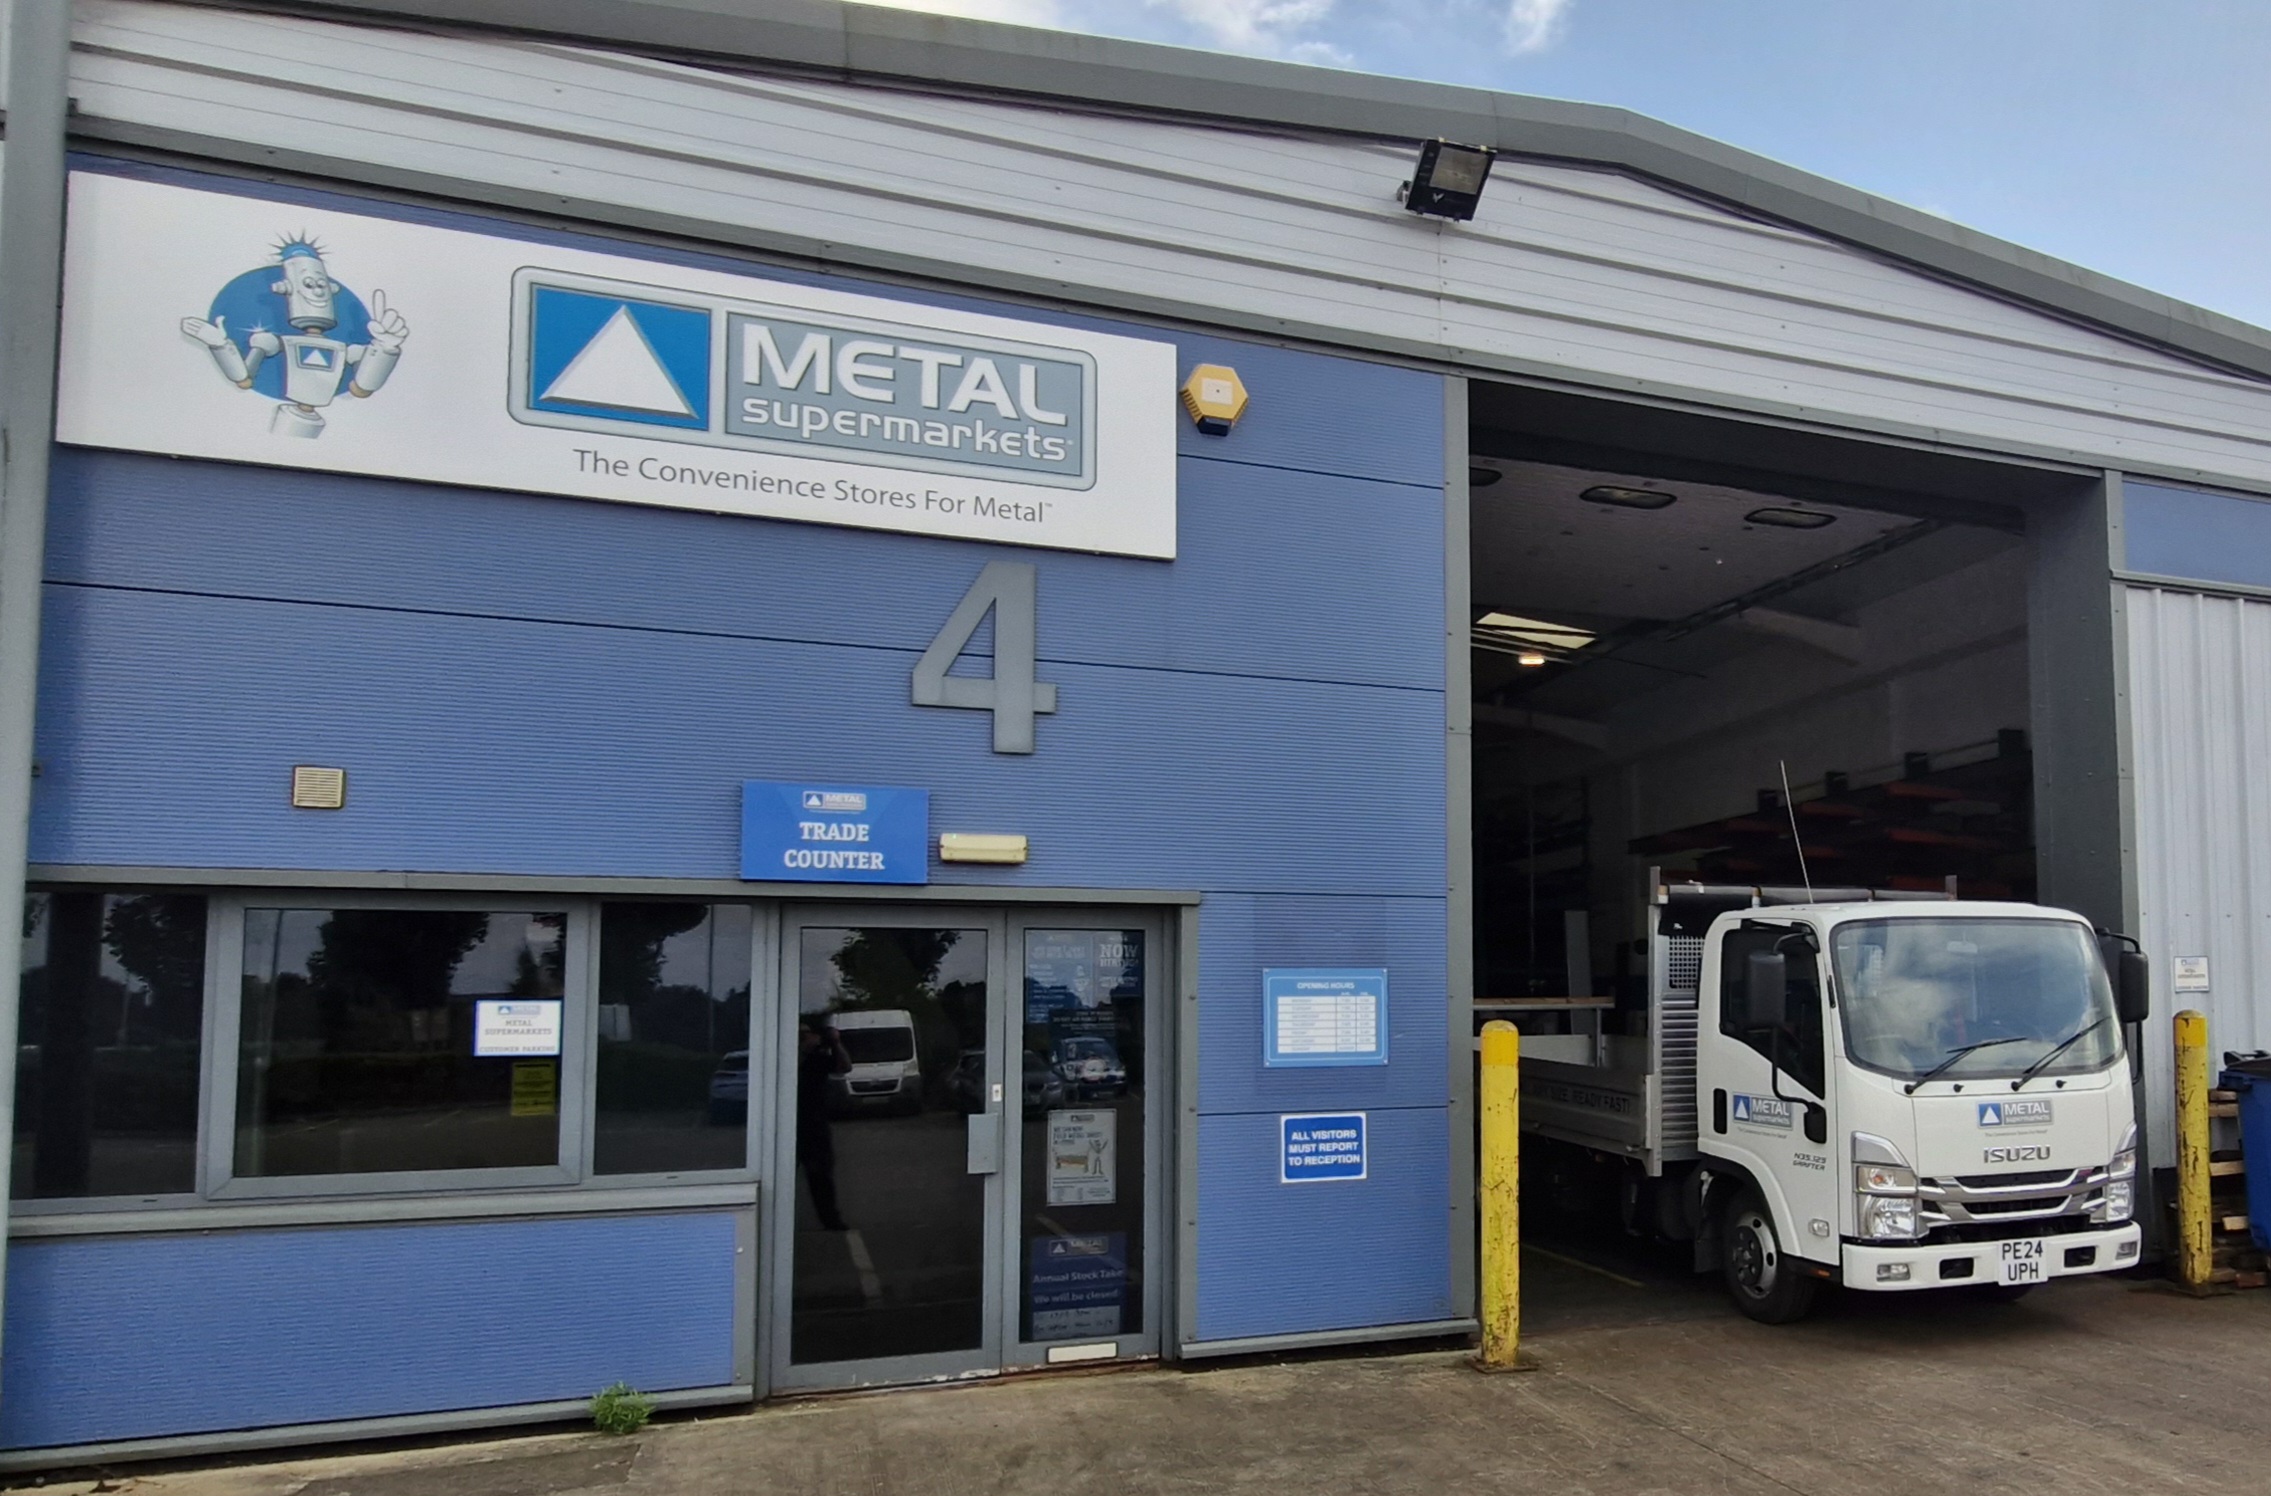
[1644,1381]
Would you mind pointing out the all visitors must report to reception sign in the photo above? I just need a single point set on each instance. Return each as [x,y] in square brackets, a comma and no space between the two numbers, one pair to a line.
[1322,1147]
[834,833]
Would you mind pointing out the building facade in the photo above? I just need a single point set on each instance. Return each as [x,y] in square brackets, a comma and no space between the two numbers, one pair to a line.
[662,755]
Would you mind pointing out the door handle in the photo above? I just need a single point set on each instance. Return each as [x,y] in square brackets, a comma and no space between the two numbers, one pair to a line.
[984,1149]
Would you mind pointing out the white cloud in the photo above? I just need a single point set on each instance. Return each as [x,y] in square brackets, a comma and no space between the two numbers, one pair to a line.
[1269,28]
[1534,25]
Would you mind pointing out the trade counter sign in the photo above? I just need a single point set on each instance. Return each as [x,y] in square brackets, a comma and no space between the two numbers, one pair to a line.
[834,833]
[1321,1148]
[203,324]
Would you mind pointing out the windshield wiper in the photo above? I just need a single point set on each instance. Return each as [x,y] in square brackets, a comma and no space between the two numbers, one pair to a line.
[1954,1055]
[2060,1048]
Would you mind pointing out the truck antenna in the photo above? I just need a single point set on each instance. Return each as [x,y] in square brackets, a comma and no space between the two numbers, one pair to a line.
[1791,809]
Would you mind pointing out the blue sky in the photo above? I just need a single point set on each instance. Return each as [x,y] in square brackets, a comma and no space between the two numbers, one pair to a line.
[2131,136]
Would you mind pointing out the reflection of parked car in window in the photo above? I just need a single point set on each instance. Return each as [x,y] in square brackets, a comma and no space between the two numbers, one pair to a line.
[885,1073]
[729,1089]
[1090,1066]
[1043,1086]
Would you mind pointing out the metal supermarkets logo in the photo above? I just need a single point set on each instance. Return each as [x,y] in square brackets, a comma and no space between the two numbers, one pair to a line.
[2027,1112]
[629,360]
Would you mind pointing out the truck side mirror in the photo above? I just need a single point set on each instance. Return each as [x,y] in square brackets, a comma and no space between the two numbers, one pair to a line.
[2133,987]
[1766,990]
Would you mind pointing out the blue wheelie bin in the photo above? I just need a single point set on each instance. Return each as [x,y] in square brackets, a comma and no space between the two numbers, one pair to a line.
[2249,1078]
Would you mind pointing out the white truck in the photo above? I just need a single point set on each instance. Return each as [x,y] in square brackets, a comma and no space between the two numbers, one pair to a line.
[1887,1091]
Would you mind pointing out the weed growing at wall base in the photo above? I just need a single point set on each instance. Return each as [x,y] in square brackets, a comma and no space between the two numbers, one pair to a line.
[621,1409]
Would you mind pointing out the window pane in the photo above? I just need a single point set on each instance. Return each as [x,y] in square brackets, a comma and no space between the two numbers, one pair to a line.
[1081,1126]
[358,1052]
[673,1038]
[107,1060]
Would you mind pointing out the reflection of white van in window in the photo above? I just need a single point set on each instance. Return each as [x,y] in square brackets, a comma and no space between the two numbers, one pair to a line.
[881,1046]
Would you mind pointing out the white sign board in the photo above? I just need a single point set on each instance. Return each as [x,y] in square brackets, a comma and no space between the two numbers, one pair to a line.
[518,1027]
[201,324]
[1084,1163]
[2191,974]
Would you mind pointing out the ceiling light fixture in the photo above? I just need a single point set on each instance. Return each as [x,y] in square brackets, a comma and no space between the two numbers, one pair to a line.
[1790,519]
[1448,181]
[1629,498]
[1531,641]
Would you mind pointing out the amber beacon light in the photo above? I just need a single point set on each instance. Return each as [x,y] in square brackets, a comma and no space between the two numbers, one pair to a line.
[1215,396]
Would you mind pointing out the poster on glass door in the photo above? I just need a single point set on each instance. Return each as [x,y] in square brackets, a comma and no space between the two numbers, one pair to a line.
[1083,1158]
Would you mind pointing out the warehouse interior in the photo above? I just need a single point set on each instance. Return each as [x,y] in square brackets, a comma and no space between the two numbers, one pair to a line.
[1672,611]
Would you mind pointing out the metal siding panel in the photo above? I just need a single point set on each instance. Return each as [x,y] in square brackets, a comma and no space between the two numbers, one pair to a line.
[2200,675]
[1239,934]
[485,745]
[1284,1259]
[1269,560]
[140,1337]
[2209,537]
[1610,280]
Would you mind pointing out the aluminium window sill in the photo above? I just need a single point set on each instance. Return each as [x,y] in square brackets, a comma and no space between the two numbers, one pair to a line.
[380,1209]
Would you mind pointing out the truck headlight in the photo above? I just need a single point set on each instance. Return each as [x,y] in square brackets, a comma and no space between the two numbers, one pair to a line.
[1885,1197]
[1888,1217]
[2120,1198]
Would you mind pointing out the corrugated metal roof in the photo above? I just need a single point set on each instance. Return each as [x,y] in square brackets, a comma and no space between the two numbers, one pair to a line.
[868,42]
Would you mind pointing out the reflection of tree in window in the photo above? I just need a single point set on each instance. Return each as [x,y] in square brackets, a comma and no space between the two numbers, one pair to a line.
[107,1068]
[369,961]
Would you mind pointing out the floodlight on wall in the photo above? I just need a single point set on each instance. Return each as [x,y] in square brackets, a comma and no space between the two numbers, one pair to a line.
[1790,519]
[1448,181]
[1629,498]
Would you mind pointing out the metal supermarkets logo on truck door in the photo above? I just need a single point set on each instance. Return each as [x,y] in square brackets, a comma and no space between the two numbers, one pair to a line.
[609,357]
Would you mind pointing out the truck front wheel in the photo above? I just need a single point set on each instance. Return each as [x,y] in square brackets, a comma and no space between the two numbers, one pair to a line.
[1766,1286]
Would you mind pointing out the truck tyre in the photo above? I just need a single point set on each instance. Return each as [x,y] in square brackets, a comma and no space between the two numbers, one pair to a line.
[1765,1285]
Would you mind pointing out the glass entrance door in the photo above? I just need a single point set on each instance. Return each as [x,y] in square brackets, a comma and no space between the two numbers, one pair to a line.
[966,1131]
[888,1180]
[1083,1191]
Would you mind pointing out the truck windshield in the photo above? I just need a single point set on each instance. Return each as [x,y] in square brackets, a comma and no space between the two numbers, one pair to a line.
[1912,992]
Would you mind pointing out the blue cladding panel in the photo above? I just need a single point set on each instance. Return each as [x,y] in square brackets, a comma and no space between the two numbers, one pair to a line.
[1277,1259]
[139,1337]
[1239,934]
[1282,573]
[169,724]
[2207,537]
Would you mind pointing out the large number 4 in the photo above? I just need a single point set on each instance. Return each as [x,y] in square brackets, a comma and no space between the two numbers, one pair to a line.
[1008,590]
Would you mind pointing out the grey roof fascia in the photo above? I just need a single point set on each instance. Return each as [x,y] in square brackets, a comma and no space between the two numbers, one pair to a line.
[873,43]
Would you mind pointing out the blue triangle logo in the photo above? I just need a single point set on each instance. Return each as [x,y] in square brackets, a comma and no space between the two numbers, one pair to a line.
[1990,1115]
[1742,1109]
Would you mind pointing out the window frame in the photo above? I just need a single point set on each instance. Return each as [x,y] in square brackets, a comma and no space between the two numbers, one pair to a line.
[225,993]
[71,1205]
[764,946]
[1729,983]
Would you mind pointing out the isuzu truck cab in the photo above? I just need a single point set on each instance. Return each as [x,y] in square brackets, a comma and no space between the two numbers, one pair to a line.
[1879,1091]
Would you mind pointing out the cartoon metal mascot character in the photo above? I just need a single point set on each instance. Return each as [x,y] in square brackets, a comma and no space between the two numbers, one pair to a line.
[293,333]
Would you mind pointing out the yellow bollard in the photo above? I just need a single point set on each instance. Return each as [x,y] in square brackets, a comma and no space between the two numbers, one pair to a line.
[2193,1254]
[1501,1197]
